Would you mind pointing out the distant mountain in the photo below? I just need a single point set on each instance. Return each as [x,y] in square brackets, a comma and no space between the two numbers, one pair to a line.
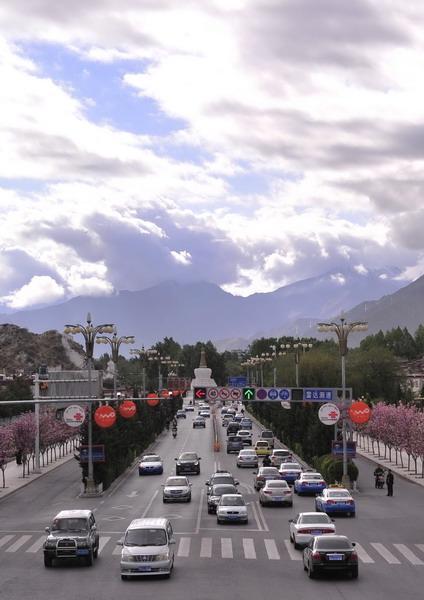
[202,311]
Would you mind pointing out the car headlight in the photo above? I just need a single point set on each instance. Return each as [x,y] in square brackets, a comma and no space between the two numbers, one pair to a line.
[196,463]
[164,556]
[50,544]
[127,557]
[82,544]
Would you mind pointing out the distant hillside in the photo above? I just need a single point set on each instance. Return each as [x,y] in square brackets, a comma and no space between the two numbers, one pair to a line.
[22,350]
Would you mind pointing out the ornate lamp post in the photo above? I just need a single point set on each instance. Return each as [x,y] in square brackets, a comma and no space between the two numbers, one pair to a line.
[144,357]
[299,347]
[155,356]
[89,333]
[115,343]
[342,331]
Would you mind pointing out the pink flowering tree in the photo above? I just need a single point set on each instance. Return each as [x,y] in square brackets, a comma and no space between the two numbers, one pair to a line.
[23,430]
[7,449]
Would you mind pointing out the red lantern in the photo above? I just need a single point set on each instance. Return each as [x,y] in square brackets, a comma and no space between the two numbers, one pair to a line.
[127,409]
[152,399]
[176,393]
[105,416]
[359,412]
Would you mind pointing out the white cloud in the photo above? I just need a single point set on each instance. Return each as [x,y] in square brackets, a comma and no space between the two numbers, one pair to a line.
[183,257]
[40,290]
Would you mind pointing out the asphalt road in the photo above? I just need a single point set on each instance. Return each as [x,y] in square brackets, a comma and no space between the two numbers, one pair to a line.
[240,562]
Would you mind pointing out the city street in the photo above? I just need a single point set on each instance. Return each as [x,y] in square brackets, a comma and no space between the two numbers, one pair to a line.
[239,561]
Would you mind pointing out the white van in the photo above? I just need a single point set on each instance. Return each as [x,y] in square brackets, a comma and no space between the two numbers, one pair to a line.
[147,548]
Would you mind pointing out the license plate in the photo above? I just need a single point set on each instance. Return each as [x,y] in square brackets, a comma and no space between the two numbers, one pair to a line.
[316,532]
[82,552]
[144,569]
[335,557]
[278,498]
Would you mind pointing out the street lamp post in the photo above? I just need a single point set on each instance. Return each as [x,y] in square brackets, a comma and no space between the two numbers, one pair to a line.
[155,356]
[115,343]
[89,333]
[144,357]
[342,331]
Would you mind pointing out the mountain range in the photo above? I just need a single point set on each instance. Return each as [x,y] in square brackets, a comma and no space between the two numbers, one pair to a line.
[191,312]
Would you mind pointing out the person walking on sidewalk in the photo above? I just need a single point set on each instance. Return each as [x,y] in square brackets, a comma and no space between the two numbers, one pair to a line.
[389,482]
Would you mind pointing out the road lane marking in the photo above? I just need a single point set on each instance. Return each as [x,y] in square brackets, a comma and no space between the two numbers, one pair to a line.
[260,511]
[19,542]
[291,551]
[249,548]
[199,512]
[206,547]
[5,539]
[386,554]
[271,549]
[102,542]
[184,547]
[363,554]
[37,544]
[226,548]
[152,499]
[255,514]
[420,547]
[408,554]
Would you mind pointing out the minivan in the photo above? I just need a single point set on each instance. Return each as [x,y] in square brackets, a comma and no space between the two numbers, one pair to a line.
[147,548]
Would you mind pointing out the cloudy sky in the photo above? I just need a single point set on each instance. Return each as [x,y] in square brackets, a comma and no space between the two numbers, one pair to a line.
[250,143]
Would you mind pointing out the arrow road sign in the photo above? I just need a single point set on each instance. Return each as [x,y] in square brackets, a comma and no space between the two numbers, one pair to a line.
[248,393]
[199,393]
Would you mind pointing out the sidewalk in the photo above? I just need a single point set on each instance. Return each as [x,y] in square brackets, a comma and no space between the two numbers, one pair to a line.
[15,480]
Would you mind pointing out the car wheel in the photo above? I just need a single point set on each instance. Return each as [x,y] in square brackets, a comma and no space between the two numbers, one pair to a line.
[354,573]
[47,561]
[218,521]
[353,515]
[164,500]
[311,572]
[261,502]
[124,577]
[296,545]
[96,552]
[290,504]
[246,521]
[90,559]
[189,499]
[291,538]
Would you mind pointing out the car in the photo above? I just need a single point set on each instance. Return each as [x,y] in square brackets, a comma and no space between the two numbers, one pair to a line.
[202,407]
[246,423]
[199,422]
[233,428]
[147,548]
[268,435]
[205,414]
[263,474]
[237,418]
[216,491]
[262,448]
[275,492]
[246,436]
[306,525]
[150,464]
[290,471]
[72,535]
[188,462]
[231,411]
[176,489]
[335,500]
[234,444]
[309,482]
[247,458]
[220,477]
[224,410]
[280,455]
[181,414]
[189,408]
[330,553]
[231,508]
[226,419]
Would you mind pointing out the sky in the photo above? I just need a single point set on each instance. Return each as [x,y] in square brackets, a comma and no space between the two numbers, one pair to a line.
[248,143]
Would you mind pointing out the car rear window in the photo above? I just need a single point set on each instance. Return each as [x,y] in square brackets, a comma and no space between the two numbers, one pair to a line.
[234,438]
[262,444]
[333,543]
[277,484]
[336,494]
[308,519]
[269,471]
[151,458]
[290,466]
[312,476]
[218,490]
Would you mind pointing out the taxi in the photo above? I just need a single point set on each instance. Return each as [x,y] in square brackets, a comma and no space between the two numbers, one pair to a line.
[335,500]
[262,448]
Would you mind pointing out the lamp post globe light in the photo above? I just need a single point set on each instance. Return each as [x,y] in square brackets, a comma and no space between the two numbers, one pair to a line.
[342,330]
[115,343]
[89,333]
[156,356]
[144,357]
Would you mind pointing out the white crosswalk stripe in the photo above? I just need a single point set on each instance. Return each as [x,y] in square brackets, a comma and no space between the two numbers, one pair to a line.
[184,547]
[5,539]
[408,554]
[117,550]
[35,547]
[19,542]
[272,550]
[291,551]
[249,548]
[103,540]
[386,554]
[226,548]
[363,554]
[206,548]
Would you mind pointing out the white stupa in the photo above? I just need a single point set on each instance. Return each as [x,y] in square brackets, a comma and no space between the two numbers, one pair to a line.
[202,375]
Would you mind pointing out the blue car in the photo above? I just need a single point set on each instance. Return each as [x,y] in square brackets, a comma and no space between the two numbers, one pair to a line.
[309,483]
[150,464]
[336,500]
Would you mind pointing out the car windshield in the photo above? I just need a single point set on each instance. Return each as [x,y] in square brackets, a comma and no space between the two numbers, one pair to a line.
[277,484]
[145,537]
[281,453]
[262,444]
[232,501]
[176,481]
[267,434]
[269,471]
[333,543]
[317,518]
[340,494]
[244,432]
[247,453]
[151,458]
[70,524]
[218,490]
[188,456]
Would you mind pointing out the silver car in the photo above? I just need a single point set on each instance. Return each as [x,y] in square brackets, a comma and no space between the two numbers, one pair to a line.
[280,455]
[276,492]
[307,525]
[247,458]
[231,508]
[177,489]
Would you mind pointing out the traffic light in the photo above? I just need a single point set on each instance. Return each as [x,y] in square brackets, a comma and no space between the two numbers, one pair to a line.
[249,393]
[199,393]
[297,394]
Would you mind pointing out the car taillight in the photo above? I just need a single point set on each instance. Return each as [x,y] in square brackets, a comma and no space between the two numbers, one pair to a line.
[261,478]
[349,501]
[287,493]
[268,493]
[316,555]
[327,530]
[304,531]
[331,502]
[353,557]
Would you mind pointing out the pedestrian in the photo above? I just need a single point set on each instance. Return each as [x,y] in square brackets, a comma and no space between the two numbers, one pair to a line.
[389,482]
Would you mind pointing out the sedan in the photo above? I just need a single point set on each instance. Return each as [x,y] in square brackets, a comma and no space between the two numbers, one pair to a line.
[216,492]
[335,500]
[220,477]
[188,462]
[205,414]
[247,458]
[330,553]
[307,525]
[181,414]
[309,483]
[279,456]
[276,492]
[246,423]
[246,436]
[290,471]
[176,489]
[150,464]
[199,422]
[231,508]
[263,475]
[189,408]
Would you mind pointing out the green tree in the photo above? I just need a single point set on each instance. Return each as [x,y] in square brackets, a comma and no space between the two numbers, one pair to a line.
[17,389]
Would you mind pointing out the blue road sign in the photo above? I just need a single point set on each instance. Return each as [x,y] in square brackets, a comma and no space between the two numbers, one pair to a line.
[318,395]
[97,452]
[272,394]
[284,394]
[238,381]
[337,449]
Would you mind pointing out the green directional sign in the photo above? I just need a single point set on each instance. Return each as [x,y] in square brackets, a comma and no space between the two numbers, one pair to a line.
[248,393]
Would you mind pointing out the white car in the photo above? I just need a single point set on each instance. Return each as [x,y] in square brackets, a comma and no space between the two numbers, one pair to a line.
[150,464]
[247,458]
[246,436]
[307,525]
[276,491]
[177,489]
[205,413]
[279,456]
[231,508]
[189,408]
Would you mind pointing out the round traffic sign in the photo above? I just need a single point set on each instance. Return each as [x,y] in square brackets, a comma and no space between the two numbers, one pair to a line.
[284,394]
[261,394]
[224,393]
[329,414]
[235,393]
[272,394]
[74,415]
[359,412]
[212,393]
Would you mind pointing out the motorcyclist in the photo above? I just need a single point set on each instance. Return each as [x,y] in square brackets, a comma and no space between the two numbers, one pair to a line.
[266,461]
[378,473]
[174,423]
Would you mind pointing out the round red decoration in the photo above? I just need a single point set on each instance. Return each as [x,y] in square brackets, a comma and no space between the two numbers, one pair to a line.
[105,416]
[127,409]
[359,412]
[152,399]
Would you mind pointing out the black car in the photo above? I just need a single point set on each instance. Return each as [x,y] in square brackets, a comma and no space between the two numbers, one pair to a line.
[234,444]
[188,462]
[220,477]
[330,553]
[233,427]
[181,414]
[216,493]
[199,422]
